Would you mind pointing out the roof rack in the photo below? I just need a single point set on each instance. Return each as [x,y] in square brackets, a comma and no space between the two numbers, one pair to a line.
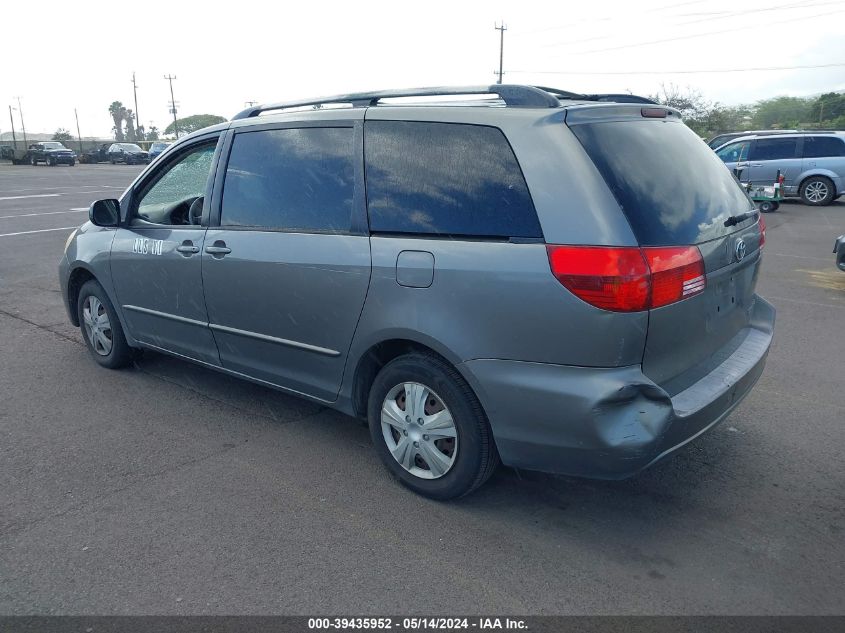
[512,95]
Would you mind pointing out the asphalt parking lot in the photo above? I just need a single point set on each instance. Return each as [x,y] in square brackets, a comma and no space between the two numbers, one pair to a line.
[170,489]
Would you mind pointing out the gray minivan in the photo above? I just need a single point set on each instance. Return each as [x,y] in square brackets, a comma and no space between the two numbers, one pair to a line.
[521,278]
[812,163]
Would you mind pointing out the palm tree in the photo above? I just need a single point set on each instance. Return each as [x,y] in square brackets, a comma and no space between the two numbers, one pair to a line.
[130,125]
[118,113]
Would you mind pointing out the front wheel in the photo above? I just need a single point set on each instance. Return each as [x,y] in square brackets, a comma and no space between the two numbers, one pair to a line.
[817,191]
[101,328]
[767,206]
[33,161]
[429,429]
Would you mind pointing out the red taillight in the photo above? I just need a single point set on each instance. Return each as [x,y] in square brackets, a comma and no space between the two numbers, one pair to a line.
[609,278]
[676,273]
[762,231]
[629,279]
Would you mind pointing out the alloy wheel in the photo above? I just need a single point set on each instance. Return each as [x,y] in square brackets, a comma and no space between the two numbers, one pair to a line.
[816,191]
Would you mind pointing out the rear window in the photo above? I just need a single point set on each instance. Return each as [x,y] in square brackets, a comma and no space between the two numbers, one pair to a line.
[445,179]
[823,146]
[671,187]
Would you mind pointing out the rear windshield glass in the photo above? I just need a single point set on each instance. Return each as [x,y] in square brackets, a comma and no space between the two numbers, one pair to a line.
[672,188]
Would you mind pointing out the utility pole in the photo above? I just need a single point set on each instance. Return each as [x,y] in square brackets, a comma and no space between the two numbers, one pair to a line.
[23,127]
[12,119]
[173,105]
[249,104]
[78,135]
[135,92]
[501,30]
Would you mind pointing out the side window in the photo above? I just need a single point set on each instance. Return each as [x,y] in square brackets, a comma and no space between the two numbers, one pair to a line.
[823,146]
[445,179]
[775,148]
[298,179]
[735,152]
[167,199]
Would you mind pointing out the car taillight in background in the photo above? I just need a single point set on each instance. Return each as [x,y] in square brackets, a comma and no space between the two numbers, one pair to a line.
[629,279]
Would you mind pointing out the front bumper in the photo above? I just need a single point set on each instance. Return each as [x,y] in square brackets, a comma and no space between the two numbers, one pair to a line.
[66,159]
[609,423]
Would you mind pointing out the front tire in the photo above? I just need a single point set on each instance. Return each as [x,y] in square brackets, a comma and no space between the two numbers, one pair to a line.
[817,191]
[101,328]
[429,428]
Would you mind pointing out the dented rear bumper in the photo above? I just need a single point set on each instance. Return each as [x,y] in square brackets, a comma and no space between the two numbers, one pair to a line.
[609,423]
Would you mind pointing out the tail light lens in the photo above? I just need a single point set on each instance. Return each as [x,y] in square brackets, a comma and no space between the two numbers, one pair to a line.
[629,279]
[762,223]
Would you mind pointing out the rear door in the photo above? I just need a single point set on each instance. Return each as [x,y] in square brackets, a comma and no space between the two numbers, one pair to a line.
[287,268]
[825,153]
[772,155]
[674,191]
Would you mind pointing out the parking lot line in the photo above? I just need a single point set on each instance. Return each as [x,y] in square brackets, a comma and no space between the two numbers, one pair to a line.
[61,228]
[34,195]
[32,215]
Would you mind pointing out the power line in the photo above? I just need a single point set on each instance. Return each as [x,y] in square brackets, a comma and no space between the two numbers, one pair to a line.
[593,20]
[726,14]
[694,35]
[673,72]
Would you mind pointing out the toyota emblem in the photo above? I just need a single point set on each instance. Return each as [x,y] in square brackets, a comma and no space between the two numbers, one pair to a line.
[740,249]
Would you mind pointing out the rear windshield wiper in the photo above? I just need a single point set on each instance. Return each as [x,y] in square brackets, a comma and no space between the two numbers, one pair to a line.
[742,217]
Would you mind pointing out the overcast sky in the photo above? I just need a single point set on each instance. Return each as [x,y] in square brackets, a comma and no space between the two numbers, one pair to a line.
[58,55]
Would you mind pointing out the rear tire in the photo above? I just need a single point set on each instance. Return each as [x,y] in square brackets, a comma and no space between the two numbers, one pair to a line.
[101,328]
[817,191]
[459,443]
[33,161]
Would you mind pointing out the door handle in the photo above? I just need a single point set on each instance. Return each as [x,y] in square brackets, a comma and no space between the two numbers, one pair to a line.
[756,164]
[218,249]
[187,248]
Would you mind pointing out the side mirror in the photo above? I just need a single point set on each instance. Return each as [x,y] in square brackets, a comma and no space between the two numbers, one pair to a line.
[105,212]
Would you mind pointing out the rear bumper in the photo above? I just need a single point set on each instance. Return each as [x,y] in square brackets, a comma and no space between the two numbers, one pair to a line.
[609,423]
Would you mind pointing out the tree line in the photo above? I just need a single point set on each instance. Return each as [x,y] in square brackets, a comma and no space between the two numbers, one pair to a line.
[708,118]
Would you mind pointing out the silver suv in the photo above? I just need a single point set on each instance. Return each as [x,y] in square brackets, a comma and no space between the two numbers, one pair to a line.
[520,278]
[812,163]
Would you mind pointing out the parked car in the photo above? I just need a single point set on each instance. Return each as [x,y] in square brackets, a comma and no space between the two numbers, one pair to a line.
[51,153]
[720,139]
[812,163]
[128,153]
[157,148]
[839,250]
[522,279]
[98,154]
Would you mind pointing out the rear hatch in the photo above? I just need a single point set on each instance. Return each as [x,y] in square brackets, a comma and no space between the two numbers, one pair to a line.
[675,192]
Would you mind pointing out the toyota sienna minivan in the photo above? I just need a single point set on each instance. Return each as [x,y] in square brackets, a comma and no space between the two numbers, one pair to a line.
[545,279]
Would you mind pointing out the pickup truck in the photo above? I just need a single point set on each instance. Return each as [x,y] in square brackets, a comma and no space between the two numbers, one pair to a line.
[51,153]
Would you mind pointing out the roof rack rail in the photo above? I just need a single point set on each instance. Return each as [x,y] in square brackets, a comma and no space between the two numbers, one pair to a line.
[512,95]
